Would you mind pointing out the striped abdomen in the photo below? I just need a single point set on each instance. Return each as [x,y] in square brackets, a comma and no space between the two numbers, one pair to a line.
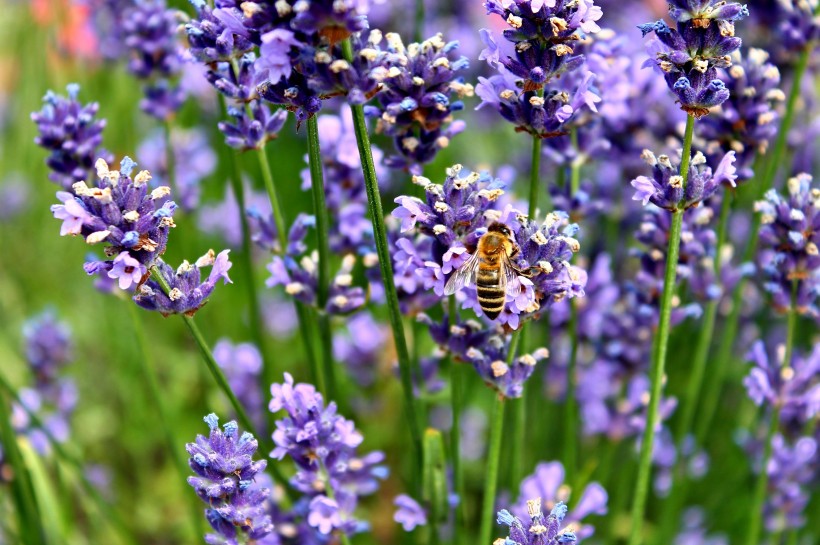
[491,296]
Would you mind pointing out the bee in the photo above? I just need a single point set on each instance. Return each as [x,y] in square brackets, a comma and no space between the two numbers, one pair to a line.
[491,270]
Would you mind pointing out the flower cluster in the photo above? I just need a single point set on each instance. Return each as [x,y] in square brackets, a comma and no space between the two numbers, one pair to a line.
[72,133]
[149,31]
[538,529]
[791,470]
[487,350]
[666,187]
[790,237]
[747,121]
[799,23]
[324,447]
[186,291]
[689,55]
[544,37]
[251,123]
[793,387]
[416,105]
[52,397]
[298,272]
[123,213]
[456,214]
[224,480]
[547,483]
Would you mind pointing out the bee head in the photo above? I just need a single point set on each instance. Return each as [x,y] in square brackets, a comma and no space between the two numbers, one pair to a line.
[498,227]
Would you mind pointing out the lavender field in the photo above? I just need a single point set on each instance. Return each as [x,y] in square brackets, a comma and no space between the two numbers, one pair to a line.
[409,272]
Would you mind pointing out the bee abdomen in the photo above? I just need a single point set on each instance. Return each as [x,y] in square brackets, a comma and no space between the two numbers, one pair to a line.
[491,299]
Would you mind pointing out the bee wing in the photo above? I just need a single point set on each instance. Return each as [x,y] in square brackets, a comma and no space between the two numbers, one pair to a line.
[508,280]
[464,275]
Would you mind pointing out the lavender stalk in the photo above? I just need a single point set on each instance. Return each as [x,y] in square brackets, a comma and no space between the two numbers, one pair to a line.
[756,522]
[322,230]
[660,350]
[385,263]
[147,371]
[494,452]
[22,490]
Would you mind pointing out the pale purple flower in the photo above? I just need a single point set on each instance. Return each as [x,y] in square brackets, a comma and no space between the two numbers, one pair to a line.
[409,513]
[126,270]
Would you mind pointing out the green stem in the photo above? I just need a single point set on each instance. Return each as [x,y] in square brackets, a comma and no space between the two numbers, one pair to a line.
[418,26]
[385,263]
[112,517]
[221,381]
[217,374]
[571,439]
[457,372]
[270,188]
[756,511]
[491,479]
[246,266]
[660,352]
[22,489]
[575,169]
[317,184]
[535,176]
[173,445]
[306,333]
[692,398]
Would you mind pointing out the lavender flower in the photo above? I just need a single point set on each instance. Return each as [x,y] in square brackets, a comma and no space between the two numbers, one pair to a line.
[694,533]
[331,21]
[72,133]
[187,293]
[665,189]
[799,25]
[242,364]
[791,470]
[324,447]
[149,32]
[409,513]
[487,350]
[298,273]
[252,122]
[547,483]
[543,36]
[539,529]
[790,237]
[455,215]
[193,158]
[218,33]
[416,106]
[225,472]
[747,121]
[52,397]
[121,212]
[48,346]
[793,387]
[690,55]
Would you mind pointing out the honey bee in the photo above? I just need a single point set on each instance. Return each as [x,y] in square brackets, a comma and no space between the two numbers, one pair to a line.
[491,270]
